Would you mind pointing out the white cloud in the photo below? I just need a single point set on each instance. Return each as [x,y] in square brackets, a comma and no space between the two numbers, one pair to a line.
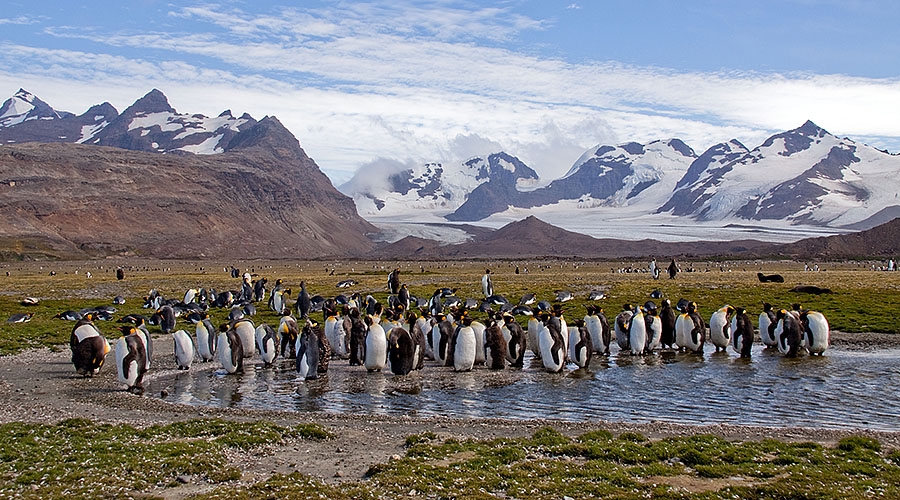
[360,82]
[573,6]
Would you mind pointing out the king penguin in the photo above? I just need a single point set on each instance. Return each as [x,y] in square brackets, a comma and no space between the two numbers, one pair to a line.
[247,333]
[487,286]
[131,360]
[815,332]
[495,351]
[623,326]
[206,339]
[267,343]
[89,347]
[742,331]
[720,327]
[230,350]
[376,346]
[553,347]
[767,323]
[463,345]
[184,350]
[690,329]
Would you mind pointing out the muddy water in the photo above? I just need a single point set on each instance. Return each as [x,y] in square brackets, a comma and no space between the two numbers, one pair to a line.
[842,389]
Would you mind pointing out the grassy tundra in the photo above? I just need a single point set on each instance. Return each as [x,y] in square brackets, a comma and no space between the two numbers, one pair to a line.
[861,302]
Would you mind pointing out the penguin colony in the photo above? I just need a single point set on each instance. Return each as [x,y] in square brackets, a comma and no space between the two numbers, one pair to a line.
[410,330]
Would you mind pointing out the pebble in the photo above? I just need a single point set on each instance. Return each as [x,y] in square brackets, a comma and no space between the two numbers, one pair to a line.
[338,474]
[183,479]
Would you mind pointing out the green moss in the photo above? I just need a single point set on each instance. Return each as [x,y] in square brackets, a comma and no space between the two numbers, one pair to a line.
[80,459]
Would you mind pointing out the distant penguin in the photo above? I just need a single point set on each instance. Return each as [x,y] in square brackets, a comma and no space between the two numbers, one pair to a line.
[527,299]
[720,327]
[118,300]
[622,326]
[742,332]
[495,349]
[637,332]
[403,297]
[69,315]
[815,332]
[789,333]
[304,304]
[259,289]
[236,313]
[463,346]
[767,323]
[89,347]
[553,347]
[516,342]
[206,339]
[278,302]
[564,296]
[120,274]
[288,332]
[580,351]
[20,318]
[375,346]
[487,285]
[230,350]
[394,281]
[246,331]
[131,360]
[667,318]
[690,330]
[184,350]
[267,343]
[166,319]
[307,355]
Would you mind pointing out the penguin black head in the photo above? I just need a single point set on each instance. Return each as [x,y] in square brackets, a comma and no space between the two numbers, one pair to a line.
[739,310]
[767,307]
[795,307]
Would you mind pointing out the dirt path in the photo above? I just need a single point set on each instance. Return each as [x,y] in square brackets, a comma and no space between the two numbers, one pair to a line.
[41,386]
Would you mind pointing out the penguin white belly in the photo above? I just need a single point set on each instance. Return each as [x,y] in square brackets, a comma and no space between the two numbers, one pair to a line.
[736,340]
[144,337]
[563,329]
[654,334]
[719,329]
[121,352]
[303,367]
[203,342]
[479,328]
[764,322]
[818,325]
[545,339]
[683,327]
[184,349]
[464,354]
[574,338]
[330,333]
[637,334]
[425,327]
[533,342]
[595,328]
[783,346]
[340,340]
[224,353]
[376,348]
[247,334]
[439,355]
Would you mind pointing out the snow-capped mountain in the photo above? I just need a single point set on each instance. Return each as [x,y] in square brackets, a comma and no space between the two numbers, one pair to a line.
[150,124]
[629,175]
[435,186]
[802,176]
[24,106]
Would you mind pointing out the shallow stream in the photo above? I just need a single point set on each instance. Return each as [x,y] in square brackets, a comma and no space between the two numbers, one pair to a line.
[842,389]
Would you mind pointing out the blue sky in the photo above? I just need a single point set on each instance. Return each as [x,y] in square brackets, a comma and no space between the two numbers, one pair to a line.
[408,82]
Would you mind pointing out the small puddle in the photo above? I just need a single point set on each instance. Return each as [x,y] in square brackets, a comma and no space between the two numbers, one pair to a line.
[844,389]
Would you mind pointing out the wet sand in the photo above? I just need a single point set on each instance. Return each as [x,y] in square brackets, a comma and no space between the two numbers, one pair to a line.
[41,386]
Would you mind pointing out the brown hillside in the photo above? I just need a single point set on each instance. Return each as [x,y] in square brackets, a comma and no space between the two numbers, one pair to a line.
[266,199]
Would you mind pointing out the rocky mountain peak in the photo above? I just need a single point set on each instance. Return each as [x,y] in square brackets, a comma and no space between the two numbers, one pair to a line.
[153,102]
[267,133]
